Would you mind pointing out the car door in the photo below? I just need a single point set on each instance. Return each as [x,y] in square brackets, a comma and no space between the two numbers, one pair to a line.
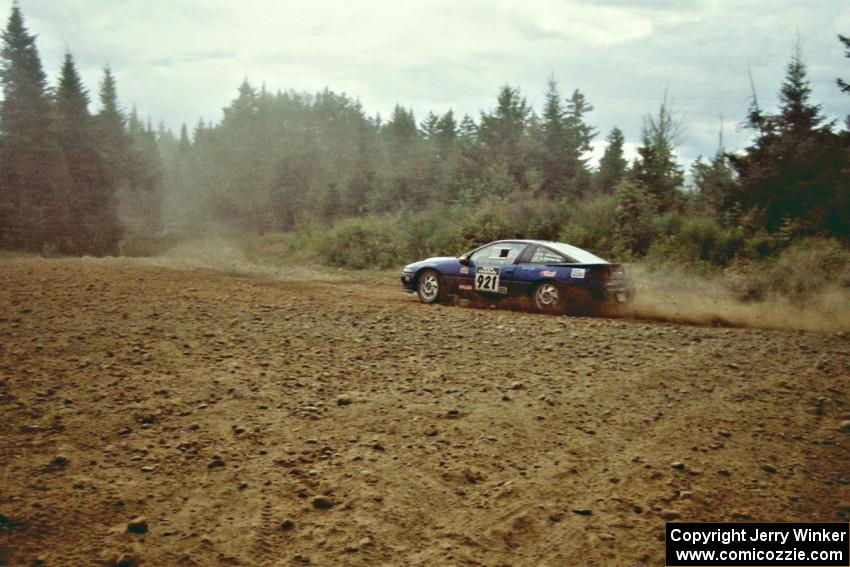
[493,268]
[536,264]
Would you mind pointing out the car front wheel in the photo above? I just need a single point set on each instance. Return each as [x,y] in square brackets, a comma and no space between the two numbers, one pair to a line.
[429,287]
[549,298]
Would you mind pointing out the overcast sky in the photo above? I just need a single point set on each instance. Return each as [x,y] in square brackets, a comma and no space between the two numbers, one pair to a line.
[181,60]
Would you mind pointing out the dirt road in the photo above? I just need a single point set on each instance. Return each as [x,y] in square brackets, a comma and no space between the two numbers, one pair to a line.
[266,419]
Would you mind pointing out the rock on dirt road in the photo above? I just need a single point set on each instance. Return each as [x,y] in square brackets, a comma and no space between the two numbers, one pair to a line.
[250,419]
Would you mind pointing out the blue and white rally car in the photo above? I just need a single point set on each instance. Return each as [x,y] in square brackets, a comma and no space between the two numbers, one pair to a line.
[554,276]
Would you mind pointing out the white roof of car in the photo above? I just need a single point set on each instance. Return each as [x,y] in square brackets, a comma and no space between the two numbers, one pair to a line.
[577,254]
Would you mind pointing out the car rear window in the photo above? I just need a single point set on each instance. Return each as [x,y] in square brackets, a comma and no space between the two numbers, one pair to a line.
[546,256]
[576,254]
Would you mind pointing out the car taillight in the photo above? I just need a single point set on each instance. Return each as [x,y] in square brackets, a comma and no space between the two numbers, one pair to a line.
[599,273]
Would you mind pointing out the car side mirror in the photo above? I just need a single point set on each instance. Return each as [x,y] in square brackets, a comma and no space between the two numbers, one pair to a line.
[464,260]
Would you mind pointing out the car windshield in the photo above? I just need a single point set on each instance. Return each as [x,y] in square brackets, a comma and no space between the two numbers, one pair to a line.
[577,254]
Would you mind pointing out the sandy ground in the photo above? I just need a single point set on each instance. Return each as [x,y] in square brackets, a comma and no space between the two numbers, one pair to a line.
[291,418]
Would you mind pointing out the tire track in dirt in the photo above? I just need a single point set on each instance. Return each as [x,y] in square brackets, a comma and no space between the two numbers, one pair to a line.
[267,546]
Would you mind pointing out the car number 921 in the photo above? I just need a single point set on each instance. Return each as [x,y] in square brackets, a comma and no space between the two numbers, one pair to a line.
[487,279]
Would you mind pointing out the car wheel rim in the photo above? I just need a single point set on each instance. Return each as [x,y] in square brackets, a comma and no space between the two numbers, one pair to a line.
[429,287]
[546,296]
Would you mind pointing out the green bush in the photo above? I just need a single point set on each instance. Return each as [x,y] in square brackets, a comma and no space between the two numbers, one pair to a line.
[431,232]
[520,216]
[298,246]
[593,225]
[696,242]
[360,243]
[634,217]
[761,246]
[391,240]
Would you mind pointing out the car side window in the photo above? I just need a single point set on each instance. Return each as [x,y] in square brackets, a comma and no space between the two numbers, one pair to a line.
[545,256]
[497,254]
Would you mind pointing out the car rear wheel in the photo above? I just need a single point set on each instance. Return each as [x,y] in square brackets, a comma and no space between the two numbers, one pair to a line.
[549,298]
[429,287]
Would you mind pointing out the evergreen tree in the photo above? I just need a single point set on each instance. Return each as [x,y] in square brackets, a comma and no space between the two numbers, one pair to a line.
[435,162]
[174,178]
[110,113]
[580,131]
[244,106]
[92,200]
[400,132]
[468,130]
[581,136]
[184,145]
[793,171]
[114,144]
[72,99]
[145,154]
[843,85]
[240,151]
[797,115]
[429,126]
[503,132]
[199,131]
[613,165]
[657,169]
[563,140]
[446,134]
[714,182]
[402,170]
[555,145]
[465,162]
[34,180]
[142,203]
[166,142]
[634,213]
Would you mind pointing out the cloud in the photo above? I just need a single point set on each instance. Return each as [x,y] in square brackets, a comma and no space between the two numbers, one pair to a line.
[575,23]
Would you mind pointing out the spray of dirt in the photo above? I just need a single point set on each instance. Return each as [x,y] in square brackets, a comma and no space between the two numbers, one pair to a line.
[676,297]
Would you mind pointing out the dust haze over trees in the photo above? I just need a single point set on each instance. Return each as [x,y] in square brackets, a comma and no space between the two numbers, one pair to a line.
[282,161]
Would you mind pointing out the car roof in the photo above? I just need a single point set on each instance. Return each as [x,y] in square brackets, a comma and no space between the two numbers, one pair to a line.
[524,241]
[579,254]
[527,241]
